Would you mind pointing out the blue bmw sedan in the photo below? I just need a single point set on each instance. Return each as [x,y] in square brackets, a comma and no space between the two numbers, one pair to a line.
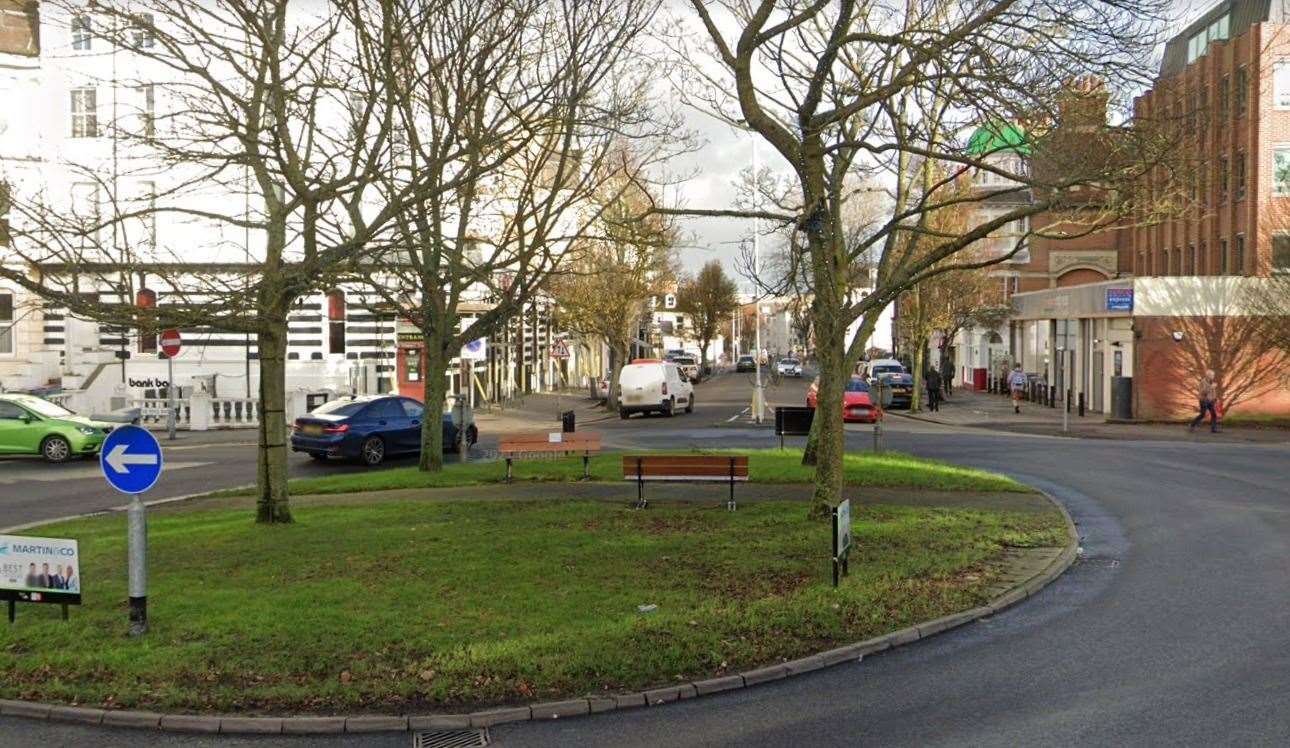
[369,428]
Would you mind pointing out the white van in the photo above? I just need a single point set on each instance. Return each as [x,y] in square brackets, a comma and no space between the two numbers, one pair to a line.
[651,384]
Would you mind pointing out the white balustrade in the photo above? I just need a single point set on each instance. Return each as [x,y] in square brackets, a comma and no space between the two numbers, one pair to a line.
[234,413]
[152,412]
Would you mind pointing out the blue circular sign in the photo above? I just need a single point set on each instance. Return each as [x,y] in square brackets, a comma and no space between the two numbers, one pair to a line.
[131,459]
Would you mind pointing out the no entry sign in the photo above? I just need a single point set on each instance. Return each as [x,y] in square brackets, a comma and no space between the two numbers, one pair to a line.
[170,343]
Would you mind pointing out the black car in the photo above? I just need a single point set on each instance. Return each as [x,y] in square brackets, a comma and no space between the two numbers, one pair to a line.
[901,386]
[746,363]
[369,429]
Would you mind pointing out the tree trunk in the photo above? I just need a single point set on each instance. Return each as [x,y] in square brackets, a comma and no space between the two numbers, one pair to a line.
[272,504]
[617,356]
[434,392]
[703,357]
[830,444]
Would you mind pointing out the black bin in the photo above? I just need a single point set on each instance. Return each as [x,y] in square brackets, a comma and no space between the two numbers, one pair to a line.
[567,422]
[1122,398]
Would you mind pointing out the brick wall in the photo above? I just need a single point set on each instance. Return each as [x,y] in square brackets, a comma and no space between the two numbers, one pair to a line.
[20,27]
[1252,380]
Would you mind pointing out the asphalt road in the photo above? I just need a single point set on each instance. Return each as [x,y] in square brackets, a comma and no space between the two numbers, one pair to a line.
[1173,629]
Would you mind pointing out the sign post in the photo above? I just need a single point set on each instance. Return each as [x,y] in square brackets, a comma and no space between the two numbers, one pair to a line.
[131,462]
[475,350]
[841,540]
[171,344]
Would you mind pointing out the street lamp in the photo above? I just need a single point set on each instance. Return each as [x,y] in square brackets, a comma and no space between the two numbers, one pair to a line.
[759,398]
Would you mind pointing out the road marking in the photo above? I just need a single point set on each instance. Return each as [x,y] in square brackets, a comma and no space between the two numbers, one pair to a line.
[739,415]
[41,473]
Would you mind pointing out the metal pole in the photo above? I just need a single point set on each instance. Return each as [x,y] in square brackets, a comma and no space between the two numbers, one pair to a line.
[137,540]
[170,392]
[467,366]
[759,401]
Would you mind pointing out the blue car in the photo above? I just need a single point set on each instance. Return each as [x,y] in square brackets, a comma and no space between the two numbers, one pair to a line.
[369,429]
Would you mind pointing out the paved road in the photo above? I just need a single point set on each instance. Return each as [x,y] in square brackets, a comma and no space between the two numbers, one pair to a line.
[31,490]
[1174,629]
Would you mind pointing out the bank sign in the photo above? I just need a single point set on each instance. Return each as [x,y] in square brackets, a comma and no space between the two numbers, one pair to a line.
[39,570]
[1119,299]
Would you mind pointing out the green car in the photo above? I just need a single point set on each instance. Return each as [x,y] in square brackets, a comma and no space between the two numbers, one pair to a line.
[30,425]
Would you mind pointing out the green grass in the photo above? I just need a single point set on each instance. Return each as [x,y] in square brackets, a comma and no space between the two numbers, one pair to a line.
[887,470]
[399,606]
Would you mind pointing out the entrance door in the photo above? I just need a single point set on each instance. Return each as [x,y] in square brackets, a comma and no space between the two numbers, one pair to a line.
[1099,360]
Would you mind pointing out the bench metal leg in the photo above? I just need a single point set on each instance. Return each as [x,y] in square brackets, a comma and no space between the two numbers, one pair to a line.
[586,467]
[508,470]
[640,486]
[730,505]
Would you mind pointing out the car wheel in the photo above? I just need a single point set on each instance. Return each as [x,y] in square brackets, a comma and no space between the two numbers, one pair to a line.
[373,451]
[318,456]
[472,435]
[689,406]
[669,408]
[56,449]
[623,414]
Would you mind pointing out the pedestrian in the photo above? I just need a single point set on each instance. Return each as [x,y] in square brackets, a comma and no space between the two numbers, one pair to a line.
[1017,384]
[933,381]
[947,377]
[1207,394]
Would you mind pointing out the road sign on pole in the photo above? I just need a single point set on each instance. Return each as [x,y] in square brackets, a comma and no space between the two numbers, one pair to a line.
[131,461]
[559,349]
[171,342]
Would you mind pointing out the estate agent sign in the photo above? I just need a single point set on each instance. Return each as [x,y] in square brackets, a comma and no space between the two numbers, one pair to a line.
[39,570]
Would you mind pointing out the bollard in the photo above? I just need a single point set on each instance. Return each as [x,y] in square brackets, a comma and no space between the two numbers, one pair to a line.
[877,436]
[1052,396]
[1081,405]
[137,540]
[1068,400]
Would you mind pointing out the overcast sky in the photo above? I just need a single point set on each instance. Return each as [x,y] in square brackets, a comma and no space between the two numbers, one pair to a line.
[717,164]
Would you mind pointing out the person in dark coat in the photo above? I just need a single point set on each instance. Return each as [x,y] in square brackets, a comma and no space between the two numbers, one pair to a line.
[933,382]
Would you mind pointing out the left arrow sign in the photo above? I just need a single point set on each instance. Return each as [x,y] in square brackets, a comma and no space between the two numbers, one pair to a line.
[119,461]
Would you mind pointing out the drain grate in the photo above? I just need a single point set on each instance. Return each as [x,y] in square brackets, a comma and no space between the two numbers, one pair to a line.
[450,739]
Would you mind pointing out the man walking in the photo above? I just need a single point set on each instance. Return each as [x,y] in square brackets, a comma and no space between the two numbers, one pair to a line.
[1017,384]
[933,381]
[1207,393]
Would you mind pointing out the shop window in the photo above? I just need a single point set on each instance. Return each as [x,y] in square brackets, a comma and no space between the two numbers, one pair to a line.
[336,322]
[6,324]
[146,302]
[1280,263]
[412,364]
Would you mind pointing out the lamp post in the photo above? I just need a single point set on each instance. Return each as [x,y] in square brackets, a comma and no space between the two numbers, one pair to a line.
[759,399]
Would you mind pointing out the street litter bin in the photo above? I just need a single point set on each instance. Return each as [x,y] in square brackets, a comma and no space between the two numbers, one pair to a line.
[567,422]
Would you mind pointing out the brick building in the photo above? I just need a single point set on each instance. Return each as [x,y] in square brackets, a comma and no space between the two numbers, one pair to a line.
[1215,226]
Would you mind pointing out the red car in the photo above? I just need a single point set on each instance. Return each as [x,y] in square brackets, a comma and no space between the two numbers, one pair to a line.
[856,405]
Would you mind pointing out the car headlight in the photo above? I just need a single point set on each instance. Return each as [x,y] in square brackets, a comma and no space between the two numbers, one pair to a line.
[86,430]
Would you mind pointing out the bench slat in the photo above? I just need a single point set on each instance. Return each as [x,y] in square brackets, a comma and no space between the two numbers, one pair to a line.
[682,467]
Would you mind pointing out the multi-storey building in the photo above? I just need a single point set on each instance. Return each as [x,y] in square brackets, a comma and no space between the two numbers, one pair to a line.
[1214,221]
[69,95]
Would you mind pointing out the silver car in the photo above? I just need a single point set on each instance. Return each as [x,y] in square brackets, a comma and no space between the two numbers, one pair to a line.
[789,367]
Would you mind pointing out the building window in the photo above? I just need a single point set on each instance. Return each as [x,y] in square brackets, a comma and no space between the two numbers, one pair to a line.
[1224,98]
[336,321]
[1239,176]
[82,32]
[6,324]
[1200,260]
[1280,256]
[1198,43]
[1222,257]
[1242,91]
[412,364]
[1238,255]
[143,34]
[1222,179]
[1190,267]
[148,110]
[85,118]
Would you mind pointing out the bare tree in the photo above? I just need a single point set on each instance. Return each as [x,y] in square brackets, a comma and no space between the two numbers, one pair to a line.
[239,122]
[510,117]
[856,88]
[605,291]
[709,299]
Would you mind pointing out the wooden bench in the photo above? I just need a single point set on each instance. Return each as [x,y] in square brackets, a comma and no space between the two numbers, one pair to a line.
[518,446]
[684,469]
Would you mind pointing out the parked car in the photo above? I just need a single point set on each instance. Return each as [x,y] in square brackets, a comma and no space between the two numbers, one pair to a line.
[857,401]
[369,428]
[746,363]
[890,373]
[789,367]
[689,364]
[31,425]
[651,384]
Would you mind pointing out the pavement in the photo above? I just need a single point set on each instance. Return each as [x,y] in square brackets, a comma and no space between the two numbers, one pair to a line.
[1172,629]
[988,411]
